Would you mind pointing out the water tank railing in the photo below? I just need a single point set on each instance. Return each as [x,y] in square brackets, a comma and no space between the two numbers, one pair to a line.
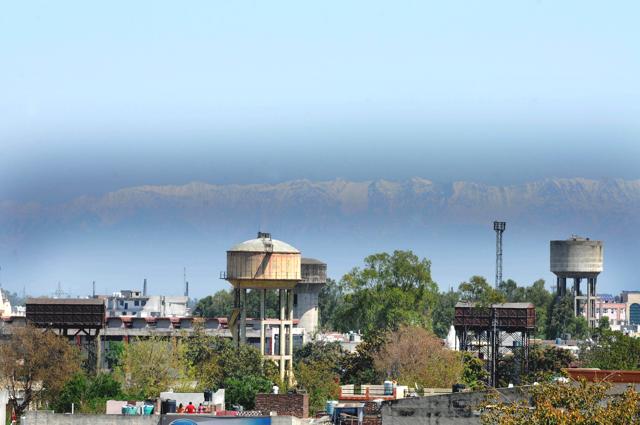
[314,279]
[227,275]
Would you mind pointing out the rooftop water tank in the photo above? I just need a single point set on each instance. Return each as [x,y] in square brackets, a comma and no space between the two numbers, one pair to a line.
[263,263]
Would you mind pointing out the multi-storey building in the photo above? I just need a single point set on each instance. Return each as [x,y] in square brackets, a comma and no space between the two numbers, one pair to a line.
[134,303]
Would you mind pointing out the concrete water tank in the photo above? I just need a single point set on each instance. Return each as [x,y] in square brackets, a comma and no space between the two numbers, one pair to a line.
[314,277]
[263,263]
[577,257]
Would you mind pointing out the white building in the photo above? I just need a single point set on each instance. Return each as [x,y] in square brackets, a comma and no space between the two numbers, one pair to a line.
[134,303]
[5,306]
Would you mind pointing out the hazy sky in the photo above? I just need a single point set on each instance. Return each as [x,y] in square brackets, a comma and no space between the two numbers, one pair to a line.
[100,96]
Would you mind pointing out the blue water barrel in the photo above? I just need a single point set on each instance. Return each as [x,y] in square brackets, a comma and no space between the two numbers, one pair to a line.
[388,387]
[147,409]
[329,406]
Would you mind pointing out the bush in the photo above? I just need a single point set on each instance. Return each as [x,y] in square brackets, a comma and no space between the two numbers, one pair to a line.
[243,391]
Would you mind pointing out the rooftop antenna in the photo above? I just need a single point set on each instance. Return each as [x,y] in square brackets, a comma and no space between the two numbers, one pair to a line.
[144,287]
[499,227]
[94,289]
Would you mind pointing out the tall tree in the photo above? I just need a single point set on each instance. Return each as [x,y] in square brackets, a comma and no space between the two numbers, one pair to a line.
[150,366]
[612,350]
[329,300]
[415,356]
[390,290]
[216,305]
[34,366]
[478,290]
[562,321]
[444,311]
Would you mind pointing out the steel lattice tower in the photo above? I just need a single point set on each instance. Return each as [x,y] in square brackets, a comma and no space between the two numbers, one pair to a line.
[499,227]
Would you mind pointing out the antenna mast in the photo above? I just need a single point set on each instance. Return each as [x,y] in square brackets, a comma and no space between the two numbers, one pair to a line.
[499,227]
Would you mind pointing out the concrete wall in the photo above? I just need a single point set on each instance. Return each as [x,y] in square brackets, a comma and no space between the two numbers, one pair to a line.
[448,409]
[48,418]
[4,399]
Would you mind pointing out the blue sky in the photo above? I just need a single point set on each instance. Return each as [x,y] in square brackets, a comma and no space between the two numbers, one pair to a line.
[99,96]
[125,93]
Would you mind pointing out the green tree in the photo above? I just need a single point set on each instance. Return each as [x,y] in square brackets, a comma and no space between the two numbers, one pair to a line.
[219,304]
[359,366]
[113,355]
[329,299]
[242,391]
[322,352]
[392,289]
[613,350]
[271,303]
[542,299]
[560,317]
[215,362]
[512,292]
[88,394]
[478,290]
[150,366]
[319,379]
[546,362]
[442,317]
[474,373]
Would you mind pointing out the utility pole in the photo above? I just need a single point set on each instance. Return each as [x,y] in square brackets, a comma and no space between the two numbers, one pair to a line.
[499,227]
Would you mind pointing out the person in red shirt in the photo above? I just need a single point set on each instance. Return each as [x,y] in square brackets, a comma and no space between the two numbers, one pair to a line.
[190,408]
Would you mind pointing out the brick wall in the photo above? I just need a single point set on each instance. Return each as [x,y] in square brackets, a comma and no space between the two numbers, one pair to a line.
[285,404]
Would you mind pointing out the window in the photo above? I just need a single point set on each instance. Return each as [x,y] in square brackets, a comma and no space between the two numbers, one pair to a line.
[124,313]
[126,305]
[634,314]
[136,303]
[295,299]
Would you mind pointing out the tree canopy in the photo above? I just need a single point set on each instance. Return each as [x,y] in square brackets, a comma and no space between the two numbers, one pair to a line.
[390,290]
[35,364]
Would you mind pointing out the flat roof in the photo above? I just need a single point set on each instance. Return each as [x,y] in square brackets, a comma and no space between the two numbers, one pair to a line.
[81,301]
[500,305]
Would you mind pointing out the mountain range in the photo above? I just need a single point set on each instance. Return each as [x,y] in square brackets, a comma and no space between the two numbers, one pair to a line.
[328,214]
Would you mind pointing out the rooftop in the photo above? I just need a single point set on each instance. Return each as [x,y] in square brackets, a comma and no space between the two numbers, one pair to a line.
[264,243]
[501,305]
[65,301]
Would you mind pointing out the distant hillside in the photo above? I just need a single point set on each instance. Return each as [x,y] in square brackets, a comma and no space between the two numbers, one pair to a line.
[153,231]
[613,203]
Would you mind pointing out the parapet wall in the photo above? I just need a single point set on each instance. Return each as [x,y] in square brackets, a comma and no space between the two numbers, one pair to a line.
[284,404]
[49,418]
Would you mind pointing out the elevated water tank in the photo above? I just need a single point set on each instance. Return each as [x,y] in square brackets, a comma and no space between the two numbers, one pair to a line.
[263,263]
[577,257]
